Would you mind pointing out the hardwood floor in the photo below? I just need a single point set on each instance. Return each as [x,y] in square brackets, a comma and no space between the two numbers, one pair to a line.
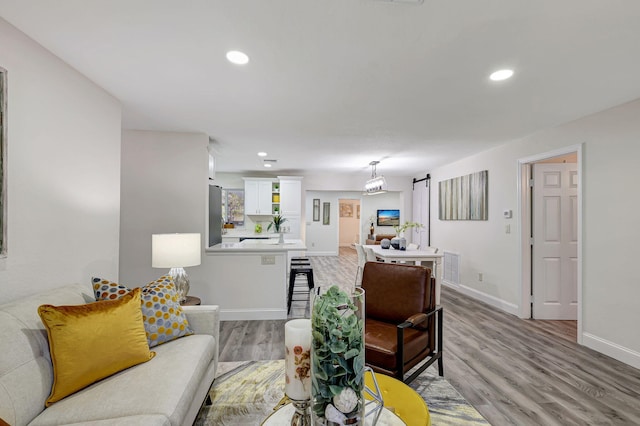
[515,372]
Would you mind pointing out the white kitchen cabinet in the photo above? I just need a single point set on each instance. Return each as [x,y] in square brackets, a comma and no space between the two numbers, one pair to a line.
[291,204]
[290,196]
[257,196]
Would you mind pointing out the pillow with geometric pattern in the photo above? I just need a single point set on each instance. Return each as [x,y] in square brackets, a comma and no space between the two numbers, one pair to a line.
[162,314]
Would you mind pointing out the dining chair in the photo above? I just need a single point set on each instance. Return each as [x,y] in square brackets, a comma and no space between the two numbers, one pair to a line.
[370,254]
[362,259]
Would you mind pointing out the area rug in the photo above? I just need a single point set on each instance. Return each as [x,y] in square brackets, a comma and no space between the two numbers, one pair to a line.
[245,393]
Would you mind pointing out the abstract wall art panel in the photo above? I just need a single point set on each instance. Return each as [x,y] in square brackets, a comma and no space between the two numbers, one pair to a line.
[465,197]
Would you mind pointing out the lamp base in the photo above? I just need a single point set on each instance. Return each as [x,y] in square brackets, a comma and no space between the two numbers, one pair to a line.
[181,281]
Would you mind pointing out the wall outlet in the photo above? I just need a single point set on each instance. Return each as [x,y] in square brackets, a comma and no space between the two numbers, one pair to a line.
[480,276]
[268,260]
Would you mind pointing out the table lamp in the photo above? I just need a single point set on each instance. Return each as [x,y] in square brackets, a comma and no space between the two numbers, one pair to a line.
[176,251]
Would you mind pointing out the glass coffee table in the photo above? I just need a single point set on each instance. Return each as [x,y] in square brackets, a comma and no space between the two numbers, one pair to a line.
[283,417]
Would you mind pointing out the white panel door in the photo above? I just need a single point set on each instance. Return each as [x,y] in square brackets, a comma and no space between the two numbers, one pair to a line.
[555,241]
[420,236]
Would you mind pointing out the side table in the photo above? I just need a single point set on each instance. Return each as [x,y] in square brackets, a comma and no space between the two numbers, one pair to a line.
[400,399]
[191,301]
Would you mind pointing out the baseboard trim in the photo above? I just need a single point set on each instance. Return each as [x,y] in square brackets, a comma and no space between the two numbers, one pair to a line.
[252,314]
[614,350]
[496,302]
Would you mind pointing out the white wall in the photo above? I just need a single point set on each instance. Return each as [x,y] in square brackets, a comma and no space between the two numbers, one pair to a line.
[610,229]
[63,172]
[323,240]
[164,190]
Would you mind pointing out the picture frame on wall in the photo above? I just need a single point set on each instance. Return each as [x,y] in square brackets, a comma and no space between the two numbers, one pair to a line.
[346,210]
[326,213]
[316,209]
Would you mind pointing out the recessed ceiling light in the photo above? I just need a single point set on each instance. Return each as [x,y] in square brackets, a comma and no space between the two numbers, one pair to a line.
[262,154]
[267,164]
[501,75]
[237,57]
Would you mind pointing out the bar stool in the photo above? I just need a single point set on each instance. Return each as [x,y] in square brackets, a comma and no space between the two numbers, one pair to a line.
[296,270]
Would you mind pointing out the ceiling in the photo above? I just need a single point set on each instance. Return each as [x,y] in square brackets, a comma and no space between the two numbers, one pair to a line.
[334,84]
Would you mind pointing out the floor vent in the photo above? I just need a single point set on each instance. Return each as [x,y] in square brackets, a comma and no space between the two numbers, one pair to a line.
[451,266]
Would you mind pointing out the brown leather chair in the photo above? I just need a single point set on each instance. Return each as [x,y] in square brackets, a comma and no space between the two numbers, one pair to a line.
[403,325]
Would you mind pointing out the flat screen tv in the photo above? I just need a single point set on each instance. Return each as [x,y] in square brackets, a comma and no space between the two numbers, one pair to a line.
[388,217]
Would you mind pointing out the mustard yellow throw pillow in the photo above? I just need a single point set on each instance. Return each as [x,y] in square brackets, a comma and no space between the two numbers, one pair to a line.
[93,341]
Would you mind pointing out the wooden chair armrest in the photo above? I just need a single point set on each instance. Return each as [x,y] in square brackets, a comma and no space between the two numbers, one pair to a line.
[417,319]
[400,340]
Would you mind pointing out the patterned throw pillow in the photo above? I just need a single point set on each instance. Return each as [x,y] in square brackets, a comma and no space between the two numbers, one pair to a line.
[161,312]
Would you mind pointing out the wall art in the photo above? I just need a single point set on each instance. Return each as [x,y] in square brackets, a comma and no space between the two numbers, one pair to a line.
[316,209]
[465,197]
[326,213]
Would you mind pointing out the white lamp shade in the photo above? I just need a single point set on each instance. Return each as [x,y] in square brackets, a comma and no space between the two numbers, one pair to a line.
[175,250]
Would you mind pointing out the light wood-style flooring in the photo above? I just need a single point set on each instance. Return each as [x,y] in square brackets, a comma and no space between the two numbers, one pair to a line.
[515,372]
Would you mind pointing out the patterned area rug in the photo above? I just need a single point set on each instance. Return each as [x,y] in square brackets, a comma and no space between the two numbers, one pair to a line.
[245,393]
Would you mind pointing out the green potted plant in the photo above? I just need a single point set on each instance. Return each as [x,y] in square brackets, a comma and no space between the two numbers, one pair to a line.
[401,228]
[399,242]
[277,221]
[337,356]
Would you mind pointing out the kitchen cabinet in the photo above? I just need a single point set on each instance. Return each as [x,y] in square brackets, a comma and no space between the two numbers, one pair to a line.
[291,204]
[257,196]
[290,197]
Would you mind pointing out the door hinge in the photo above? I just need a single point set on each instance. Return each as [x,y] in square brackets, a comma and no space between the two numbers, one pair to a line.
[531,298]
[531,241]
[531,183]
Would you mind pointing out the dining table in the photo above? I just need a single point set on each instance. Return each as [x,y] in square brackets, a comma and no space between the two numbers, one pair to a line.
[427,257]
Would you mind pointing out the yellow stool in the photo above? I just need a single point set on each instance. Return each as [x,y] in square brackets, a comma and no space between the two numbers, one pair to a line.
[401,399]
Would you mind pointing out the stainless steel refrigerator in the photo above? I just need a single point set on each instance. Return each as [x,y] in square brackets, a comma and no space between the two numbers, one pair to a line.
[215,215]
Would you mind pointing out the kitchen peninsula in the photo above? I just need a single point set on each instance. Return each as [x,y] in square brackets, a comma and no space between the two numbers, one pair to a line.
[249,278]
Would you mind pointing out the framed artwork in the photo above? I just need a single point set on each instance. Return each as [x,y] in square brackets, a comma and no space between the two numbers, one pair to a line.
[316,209]
[465,197]
[326,213]
[346,210]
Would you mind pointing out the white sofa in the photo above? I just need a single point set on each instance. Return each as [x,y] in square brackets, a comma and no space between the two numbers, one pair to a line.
[167,390]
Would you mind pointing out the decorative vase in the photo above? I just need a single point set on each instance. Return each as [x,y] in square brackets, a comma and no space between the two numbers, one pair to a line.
[371,230]
[399,243]
[337,357]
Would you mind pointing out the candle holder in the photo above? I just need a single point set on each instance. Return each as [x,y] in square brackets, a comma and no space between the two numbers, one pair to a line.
[302,416]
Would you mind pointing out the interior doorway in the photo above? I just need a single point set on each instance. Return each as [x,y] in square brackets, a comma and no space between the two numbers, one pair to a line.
[535,261]
[348,222]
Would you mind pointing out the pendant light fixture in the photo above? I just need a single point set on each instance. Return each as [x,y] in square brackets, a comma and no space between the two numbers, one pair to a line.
[377,184]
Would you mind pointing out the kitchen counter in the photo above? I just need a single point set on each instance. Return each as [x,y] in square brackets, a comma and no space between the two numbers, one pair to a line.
[270,245]
[248,279]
